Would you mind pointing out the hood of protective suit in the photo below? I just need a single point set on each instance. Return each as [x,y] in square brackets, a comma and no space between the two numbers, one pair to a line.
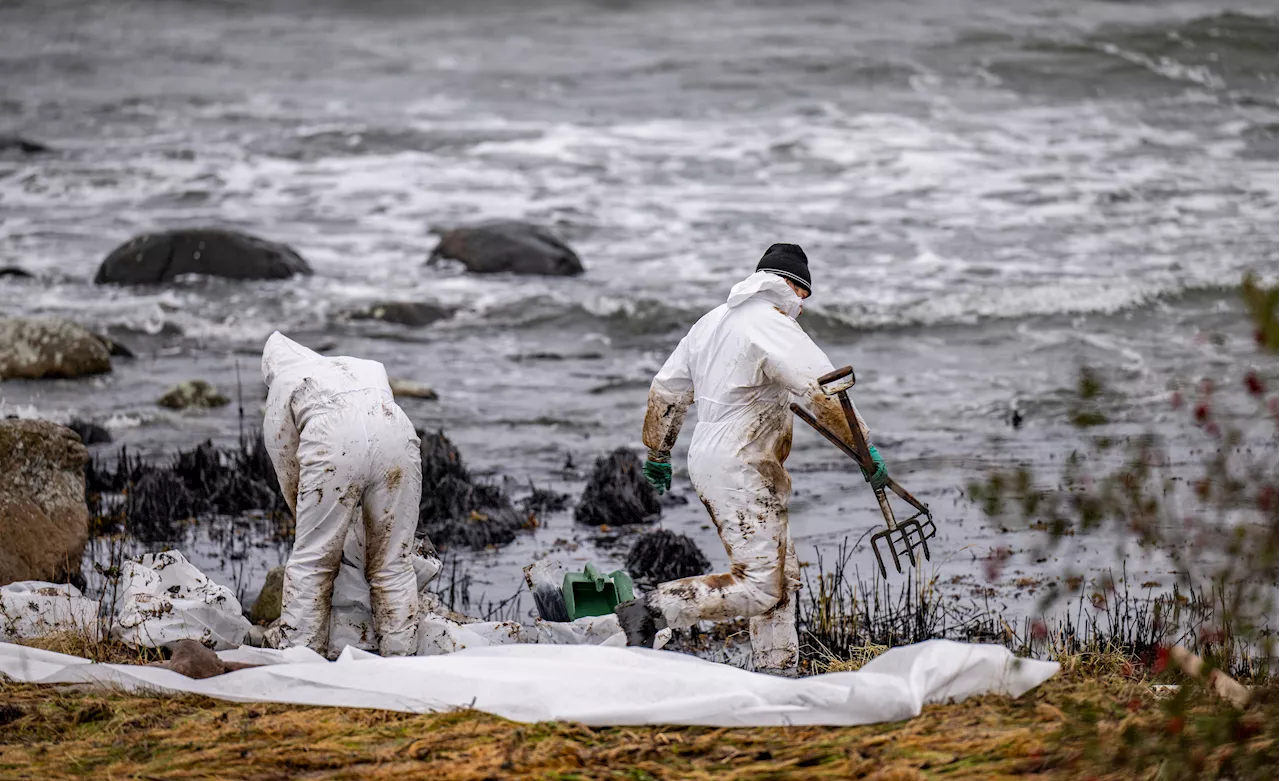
[769,287]
[286,362]
[282,355]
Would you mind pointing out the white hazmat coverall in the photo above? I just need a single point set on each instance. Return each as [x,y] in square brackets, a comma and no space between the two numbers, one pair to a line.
[340,445]
[743,363]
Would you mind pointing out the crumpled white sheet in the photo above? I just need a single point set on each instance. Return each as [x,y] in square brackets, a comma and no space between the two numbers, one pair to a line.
[591,684]
[34,608]
[164,598]
[441,631]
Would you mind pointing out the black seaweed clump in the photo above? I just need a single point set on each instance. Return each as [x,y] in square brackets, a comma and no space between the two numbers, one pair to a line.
[457,510]
[156,498]
[618,493]
[662,555]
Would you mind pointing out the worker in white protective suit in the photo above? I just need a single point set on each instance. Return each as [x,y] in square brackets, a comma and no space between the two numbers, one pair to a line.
[743,363]
[341,446]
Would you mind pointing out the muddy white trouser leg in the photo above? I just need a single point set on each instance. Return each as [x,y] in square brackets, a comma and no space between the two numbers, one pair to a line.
[751,517]
[775,645]
[329,490]
[391,519]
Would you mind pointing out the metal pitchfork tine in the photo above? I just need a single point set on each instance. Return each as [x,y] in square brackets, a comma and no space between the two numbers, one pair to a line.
[838,383]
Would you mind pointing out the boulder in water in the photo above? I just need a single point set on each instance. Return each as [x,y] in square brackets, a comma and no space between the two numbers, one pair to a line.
[196,394]
[508,246]
[409,389]
[455,509]
[43,519]
[266,608]
[617,494]
[155,258]
[90,433]
[18,144]
[116,349]
[48,347]
[403,313]
[662,555]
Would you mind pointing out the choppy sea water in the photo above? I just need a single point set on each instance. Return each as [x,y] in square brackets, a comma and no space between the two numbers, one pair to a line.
[991,194]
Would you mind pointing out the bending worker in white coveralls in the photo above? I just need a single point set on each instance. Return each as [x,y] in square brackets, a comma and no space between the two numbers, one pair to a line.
[340,445]
[743,362]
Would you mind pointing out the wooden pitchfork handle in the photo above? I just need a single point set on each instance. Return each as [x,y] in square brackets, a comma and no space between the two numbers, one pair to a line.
[862,461]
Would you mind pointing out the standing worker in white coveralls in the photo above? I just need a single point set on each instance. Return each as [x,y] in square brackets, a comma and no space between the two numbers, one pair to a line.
[743,363]
[341,446]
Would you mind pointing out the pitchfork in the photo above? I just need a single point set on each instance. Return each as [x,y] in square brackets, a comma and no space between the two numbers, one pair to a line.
[902,539]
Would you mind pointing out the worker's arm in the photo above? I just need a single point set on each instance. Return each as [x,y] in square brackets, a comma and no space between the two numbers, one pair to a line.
[794,361]
[280,435]
[670,395]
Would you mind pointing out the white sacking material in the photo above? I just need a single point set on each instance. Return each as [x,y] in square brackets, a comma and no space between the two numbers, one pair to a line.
[34,608]
[163,598]
[440,635]
[745,361]
[590,630]
[594,685]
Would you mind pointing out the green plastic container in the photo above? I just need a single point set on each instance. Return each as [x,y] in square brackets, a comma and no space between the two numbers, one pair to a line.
[589,593]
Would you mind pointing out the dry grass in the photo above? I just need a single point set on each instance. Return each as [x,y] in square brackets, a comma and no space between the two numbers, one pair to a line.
[88,646]
[855,661]
[53,733]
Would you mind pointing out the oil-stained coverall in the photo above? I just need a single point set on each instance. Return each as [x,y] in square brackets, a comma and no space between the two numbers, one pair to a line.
[743,363]
[341,446]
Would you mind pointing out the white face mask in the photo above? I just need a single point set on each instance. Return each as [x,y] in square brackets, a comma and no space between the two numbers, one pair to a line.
[799,309]
[791,308]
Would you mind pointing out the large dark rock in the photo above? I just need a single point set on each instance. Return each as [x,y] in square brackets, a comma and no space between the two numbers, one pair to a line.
[507,246]
[154,258]
[16,273]
[403,313]
[662,555]
[18,144]
[116,349]
[44,523]
[617,493]
[90,433]
[48,347]
[457,510]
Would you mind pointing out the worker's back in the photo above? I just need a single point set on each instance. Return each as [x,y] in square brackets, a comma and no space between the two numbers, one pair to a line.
[735,351]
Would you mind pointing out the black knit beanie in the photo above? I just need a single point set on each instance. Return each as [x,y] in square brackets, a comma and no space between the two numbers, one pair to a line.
[787,260]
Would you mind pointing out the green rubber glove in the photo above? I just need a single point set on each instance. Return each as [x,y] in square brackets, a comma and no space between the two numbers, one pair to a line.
[658,473]
[880,478]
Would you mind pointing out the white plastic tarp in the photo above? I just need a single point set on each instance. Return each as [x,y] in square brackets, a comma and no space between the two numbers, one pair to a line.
[591,684]
[164,598]
[34,608]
